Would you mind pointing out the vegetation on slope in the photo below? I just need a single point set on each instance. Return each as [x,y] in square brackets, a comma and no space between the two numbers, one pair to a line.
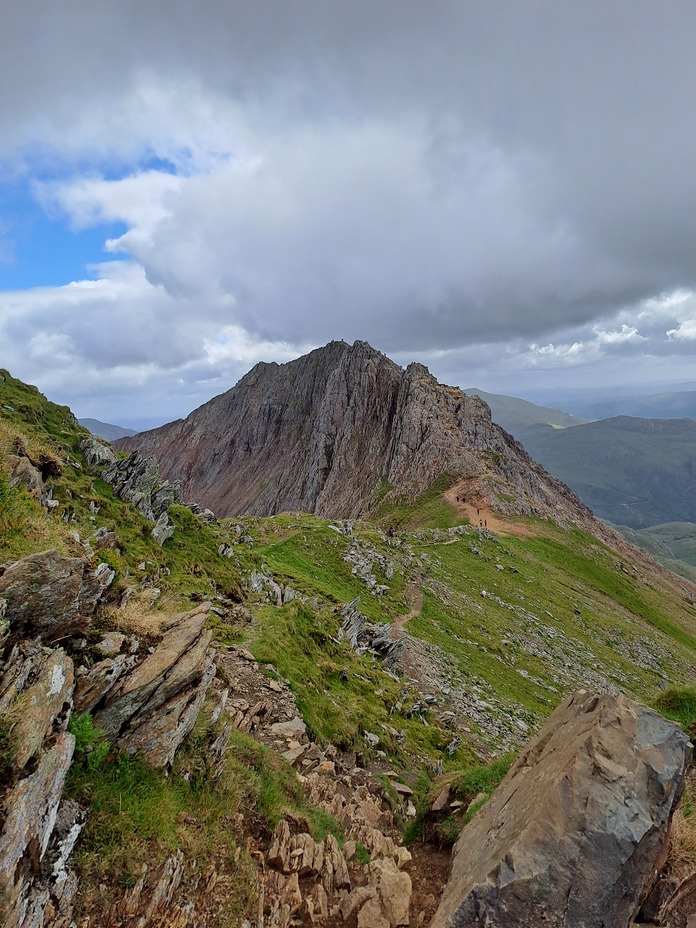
[635,472]
[498,630]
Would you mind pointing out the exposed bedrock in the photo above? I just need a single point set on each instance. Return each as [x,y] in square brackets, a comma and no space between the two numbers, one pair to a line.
[574,835]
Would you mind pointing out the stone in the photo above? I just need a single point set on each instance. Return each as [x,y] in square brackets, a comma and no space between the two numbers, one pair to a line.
[356,898]
[47,699]
[135,690]
[158,736]
[31,809]
[51,595]
[163,529]
[573,834]
[93,683]
[295,728]
[97,454]
[394,888]
[371,915]
[294,754]
[22,473]
[442,800]
[111,644]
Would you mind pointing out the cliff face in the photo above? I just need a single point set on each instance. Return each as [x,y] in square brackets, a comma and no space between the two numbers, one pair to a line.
[324,433]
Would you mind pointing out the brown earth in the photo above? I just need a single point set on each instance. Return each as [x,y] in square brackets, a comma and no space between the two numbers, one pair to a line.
[470,499]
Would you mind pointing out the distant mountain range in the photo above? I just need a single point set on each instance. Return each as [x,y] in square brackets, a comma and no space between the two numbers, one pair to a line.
[672,405]
[629,471]
[105,430]
[518,416]
[637,473]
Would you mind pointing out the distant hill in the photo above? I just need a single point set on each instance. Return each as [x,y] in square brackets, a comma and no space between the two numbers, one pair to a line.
[518,416]
[672,405]
[673,545]
[105,430]
[629,471]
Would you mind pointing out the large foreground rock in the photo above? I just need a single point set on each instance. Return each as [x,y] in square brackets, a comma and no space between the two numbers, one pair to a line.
[574,833]
[51,595]
[156,704]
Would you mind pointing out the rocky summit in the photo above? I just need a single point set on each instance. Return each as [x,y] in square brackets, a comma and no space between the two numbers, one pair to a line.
[336,431]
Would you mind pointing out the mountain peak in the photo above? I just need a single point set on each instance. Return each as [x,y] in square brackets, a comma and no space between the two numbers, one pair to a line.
[332,431]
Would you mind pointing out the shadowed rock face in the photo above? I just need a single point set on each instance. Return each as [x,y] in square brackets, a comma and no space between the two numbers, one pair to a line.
[574,834]
[323,433]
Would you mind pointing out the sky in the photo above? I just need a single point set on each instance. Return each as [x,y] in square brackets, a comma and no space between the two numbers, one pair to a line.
[504,191]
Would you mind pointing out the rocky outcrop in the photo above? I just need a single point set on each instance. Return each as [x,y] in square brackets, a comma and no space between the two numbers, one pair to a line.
[332,431]
[365,636]
[136,479]
[51,595]
[148,705]
[156,704]
[576,831]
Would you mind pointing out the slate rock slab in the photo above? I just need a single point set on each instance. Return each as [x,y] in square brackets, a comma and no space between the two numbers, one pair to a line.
[573,834]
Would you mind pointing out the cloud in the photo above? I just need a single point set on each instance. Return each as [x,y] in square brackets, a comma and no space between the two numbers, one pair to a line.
[498,187]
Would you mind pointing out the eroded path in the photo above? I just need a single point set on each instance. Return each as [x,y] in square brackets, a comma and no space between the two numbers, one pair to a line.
[414,598]
[469,499]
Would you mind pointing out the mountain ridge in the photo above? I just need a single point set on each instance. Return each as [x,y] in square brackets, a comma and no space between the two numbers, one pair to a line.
[336,431]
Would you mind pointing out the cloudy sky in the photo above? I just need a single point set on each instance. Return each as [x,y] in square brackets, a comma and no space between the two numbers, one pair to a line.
[505,191]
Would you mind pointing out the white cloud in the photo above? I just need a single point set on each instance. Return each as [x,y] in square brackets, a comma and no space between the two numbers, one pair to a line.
[685,331]
[493,191]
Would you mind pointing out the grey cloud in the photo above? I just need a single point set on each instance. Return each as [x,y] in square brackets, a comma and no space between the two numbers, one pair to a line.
[427,176]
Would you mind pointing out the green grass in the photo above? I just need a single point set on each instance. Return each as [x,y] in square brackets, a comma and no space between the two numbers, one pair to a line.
[678,703]
[428,511]
[339,693]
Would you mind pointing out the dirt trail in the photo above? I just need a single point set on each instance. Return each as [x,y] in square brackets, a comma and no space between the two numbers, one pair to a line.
[414,598]
[472,504]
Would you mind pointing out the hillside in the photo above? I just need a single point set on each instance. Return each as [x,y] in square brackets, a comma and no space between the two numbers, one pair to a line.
[105,429]
[340,432]
[634,472]
[518,416]
[376,657]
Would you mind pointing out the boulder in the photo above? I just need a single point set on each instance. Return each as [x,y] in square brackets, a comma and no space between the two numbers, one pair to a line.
[137,480]
[158,737]
[163,529]
[51,595]
[96,454]
[23,474]
[572,835]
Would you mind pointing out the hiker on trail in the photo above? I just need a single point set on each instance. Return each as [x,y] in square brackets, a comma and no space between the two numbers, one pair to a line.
[478,511]
[485,522]
[481,522]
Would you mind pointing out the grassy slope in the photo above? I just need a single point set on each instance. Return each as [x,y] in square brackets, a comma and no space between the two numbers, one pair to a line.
[521,621]
[512,623]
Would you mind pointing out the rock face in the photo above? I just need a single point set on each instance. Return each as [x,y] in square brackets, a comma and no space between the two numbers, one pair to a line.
[154,706]
[51,595]
[574,834]
[329,432]
[147,705]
